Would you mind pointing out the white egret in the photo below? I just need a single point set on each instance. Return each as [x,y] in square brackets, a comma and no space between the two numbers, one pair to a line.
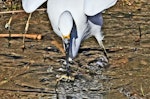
[73,20]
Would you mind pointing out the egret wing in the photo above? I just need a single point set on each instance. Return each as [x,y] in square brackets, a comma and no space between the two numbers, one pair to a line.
[93,7]
[31,5]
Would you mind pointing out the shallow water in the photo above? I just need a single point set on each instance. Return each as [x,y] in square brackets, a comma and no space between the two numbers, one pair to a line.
[33,73]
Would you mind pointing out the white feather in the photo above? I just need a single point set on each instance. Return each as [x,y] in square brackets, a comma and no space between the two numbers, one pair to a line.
[31,5]
[66,21]
[93,7]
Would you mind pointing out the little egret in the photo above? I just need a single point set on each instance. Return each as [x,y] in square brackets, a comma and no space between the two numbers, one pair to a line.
[73,20]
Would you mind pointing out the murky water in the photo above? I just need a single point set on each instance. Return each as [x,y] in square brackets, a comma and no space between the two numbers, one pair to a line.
[33,74]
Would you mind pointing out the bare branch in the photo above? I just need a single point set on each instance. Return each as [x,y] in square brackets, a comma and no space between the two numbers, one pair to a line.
[19,11]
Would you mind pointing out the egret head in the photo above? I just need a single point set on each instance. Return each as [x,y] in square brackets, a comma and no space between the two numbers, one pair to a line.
[69,33]
[65,26]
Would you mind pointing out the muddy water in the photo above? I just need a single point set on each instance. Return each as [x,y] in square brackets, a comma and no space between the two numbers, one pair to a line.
[33,73]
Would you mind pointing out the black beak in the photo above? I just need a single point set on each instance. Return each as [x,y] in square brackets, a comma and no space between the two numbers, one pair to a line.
[67,45]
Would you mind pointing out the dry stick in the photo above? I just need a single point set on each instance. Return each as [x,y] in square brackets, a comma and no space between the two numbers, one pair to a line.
[30,36]
[7,26]
[26,29]
[19,11]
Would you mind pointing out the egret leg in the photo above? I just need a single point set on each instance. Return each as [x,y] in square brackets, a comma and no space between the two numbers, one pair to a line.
[66,77]
[67,44]
[67,66]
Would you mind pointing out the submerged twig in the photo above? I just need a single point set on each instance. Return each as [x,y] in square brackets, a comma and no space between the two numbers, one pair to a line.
[138,39]
[19,11]
[142,91]
[7,26]
[31,91]
[26,30]
[140,32]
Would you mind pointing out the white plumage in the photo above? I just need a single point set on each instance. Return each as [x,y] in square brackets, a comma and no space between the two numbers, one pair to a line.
[74,20]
